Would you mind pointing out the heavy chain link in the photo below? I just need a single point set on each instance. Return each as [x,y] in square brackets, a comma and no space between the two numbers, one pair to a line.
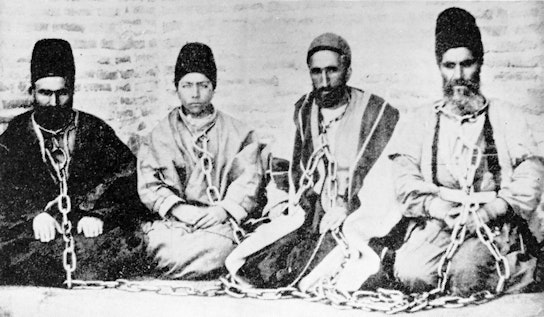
[175,288]
[386,300]
[332,173]
[59,161]
[307,178]
[214,196]
[484,233]
[382,300]
[486,236]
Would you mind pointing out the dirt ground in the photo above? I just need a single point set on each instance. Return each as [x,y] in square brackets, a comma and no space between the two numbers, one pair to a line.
[18,301]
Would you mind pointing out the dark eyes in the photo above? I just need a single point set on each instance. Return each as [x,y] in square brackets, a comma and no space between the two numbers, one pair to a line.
[49,93]
[328,70]
[201,85]
[466,63]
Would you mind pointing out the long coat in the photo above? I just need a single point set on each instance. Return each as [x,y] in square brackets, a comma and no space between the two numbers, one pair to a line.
[278,252]
[101,184]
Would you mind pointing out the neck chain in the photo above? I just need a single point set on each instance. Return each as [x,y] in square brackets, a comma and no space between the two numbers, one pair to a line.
[471,117]
[325,127]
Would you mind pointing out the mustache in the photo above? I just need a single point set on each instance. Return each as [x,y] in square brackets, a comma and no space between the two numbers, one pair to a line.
[51,118]
[333,96]
[324,89]
[462,82]
[473,87]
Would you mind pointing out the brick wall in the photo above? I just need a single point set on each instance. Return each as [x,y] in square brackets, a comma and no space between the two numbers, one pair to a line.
[125,52]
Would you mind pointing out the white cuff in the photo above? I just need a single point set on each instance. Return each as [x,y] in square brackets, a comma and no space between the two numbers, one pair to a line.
[168,203]
[236,211]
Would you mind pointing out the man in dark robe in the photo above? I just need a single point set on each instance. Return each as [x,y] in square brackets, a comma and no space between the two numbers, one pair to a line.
[68,201]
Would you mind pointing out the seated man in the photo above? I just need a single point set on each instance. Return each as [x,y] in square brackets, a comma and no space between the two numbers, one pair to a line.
[201,171]
[341,135]
[469,171]
[67,184]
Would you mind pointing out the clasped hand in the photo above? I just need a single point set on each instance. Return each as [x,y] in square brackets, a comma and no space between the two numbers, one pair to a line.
[450,213]
[200,217]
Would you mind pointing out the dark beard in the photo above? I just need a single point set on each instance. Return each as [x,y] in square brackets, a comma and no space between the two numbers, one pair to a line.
[335,96]
[463,99]
[53,118]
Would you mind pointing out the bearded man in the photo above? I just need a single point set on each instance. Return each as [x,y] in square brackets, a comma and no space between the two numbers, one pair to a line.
[68,198]
[467,170]
[336,176]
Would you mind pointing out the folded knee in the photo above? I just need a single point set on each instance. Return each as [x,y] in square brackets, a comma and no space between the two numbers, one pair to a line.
[467,278]
[416,277]
[472,269]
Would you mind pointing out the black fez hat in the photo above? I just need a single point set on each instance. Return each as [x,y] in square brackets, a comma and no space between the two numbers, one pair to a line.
[195,58]
[52,57]
[456,27]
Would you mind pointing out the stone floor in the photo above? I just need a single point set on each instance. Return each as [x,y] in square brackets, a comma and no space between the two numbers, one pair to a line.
[40,301]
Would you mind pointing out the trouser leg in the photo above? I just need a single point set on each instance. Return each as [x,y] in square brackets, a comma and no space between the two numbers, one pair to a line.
[473,266]
[416,261]
[183,253]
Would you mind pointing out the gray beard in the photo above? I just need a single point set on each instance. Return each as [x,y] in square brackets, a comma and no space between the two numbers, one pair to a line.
[463,100]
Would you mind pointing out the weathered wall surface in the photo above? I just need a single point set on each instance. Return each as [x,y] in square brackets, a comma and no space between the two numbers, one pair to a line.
[125,51]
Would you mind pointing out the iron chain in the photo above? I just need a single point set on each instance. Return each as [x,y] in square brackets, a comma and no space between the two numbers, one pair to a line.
[212,192]
[382,300]
[59,160]
[142,286]
[483,232]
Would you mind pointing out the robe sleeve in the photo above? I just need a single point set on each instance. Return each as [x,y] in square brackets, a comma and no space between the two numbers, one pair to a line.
[524,190]
[115,191]
[15,214]
[246,180]
[158,180]
[15,208]
[412,191]
[523,187]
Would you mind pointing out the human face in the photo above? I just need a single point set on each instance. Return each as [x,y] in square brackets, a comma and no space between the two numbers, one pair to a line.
[460,73]
[327,71]
[52,92]
[195,91]
[53,100]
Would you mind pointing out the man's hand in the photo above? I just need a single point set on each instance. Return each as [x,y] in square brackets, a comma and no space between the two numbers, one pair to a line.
[188,214]
[90,226]
[333,219]
[44,227]
[487,213]
[453,216]
[213,215]
[444,210]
